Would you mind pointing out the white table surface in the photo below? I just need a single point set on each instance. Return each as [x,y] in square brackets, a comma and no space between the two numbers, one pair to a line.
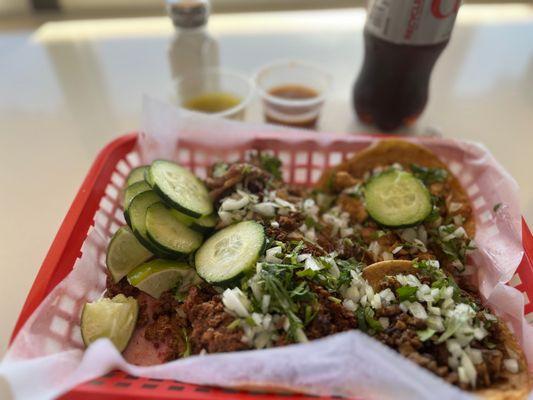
[72,86]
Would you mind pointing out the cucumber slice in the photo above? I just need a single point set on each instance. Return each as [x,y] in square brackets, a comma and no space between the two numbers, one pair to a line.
[180,188]
[205,224]
[397,199]
[147,177]
[230,252]
[111,318]
[136,216]
[187,220]
[158,276]
[169,233]
[134,190]
[136,175]
[124,253]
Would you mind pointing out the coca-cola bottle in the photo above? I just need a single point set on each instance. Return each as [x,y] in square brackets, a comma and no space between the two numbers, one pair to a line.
[403,39]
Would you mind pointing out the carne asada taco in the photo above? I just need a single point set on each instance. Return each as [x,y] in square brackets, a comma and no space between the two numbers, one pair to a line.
[446,330]
[243,260]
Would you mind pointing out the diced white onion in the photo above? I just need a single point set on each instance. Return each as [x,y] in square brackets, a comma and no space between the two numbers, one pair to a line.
[480,332]
[284,203]
[230,204]
[300,336]
[387,256]
[374,248]
[475,355]
[310,263]
[417,310]
[435,322]
[271,254]
[375,302]
[511,365]
[387,296]
[237,302]
[225,217]
[265,302]
[454,347]
[469,369]
[397,249]
[453,207]
[265,209]
[257,318]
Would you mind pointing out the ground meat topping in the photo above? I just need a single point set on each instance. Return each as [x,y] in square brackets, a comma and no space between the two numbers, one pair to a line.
[331,317]
[209,321]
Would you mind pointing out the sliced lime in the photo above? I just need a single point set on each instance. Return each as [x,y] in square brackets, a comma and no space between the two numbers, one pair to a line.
[124,253]
[158,276]
[109,318]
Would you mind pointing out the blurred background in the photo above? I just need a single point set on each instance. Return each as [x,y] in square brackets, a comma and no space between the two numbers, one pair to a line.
[18,13]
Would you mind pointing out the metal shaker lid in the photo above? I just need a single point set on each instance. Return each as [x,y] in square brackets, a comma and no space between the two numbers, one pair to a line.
[188,13]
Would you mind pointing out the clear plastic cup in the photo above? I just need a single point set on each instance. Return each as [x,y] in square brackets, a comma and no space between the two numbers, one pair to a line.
[212,85]
[292,92]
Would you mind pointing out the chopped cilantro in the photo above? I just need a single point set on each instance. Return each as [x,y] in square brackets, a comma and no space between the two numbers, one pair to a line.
[406,293]
[366,321]
[233,325]
[429,175]
[310,222]
[425,334]
[219,169]
[271,164]
[371,321]
[187,351]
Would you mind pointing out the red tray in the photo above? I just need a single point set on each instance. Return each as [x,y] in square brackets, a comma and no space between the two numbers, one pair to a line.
[66,248]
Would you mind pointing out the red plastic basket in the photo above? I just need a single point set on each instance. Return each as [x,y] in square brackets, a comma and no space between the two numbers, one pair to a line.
[110,168]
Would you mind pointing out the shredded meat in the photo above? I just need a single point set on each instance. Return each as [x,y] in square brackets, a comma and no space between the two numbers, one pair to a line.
[288,224]
[343,180]
[209,321]
[354,207]
[331,317]
[252,177]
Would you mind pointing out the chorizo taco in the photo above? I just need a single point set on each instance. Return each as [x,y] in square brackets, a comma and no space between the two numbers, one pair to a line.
[446,330]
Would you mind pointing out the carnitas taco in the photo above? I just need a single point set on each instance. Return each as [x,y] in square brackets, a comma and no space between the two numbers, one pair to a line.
[426,317]
[405,203]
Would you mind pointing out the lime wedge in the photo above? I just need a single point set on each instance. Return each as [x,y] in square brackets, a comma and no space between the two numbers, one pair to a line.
[124,253]
[109,318]
[158,276]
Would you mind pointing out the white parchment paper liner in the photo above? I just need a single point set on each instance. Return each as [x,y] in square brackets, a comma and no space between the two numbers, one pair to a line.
[348,364]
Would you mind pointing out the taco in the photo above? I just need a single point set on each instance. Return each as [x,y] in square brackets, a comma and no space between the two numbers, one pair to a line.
[407,203]
[446,330]
[279,264]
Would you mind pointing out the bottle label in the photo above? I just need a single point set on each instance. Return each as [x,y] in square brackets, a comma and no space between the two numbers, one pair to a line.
[417,22]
